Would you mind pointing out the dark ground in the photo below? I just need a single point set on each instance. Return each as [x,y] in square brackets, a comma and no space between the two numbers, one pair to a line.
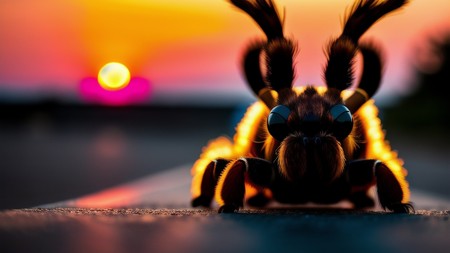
[51,153]
[180,230]
[157,218]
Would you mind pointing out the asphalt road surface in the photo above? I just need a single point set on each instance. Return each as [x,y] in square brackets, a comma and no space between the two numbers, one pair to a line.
[117,180]
[152,214]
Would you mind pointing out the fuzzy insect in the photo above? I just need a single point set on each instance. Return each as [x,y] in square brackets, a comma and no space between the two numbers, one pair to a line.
[310,144]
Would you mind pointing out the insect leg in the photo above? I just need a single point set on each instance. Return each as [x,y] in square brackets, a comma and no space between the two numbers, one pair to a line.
[363,174]
[361,177]
[209,182]
[390,191]
[230,190]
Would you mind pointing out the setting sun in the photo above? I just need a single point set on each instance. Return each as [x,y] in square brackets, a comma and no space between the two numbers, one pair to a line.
[114,76]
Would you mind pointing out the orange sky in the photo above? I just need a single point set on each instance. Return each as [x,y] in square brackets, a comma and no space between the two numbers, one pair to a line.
[182,46]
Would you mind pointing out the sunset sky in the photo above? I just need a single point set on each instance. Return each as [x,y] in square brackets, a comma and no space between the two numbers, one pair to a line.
[186,49]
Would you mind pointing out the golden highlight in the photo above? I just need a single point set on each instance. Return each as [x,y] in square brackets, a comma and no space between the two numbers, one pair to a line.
[378,148]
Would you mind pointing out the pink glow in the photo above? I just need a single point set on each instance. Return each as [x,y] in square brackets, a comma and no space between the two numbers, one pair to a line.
[119,196]
[184,46]
[137,91]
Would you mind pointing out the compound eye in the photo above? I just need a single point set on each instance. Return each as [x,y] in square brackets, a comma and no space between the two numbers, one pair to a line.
[342,121]
[277,122]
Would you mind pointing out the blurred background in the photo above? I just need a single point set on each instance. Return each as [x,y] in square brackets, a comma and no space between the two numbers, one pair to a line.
[62,135]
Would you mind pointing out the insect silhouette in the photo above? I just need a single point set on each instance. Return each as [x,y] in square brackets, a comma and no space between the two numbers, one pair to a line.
[309,144]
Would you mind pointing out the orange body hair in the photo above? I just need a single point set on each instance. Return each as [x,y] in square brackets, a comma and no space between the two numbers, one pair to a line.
[246,137]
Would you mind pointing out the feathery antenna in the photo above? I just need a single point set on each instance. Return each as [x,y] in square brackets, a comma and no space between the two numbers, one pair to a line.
[339,72]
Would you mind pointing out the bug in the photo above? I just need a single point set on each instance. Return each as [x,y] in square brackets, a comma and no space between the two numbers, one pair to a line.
[309,144]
